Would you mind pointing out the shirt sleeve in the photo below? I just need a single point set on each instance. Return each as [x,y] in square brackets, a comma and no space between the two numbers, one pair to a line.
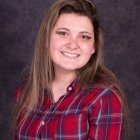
[106,118]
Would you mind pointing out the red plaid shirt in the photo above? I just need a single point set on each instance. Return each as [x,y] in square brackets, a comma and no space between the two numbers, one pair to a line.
[90,114]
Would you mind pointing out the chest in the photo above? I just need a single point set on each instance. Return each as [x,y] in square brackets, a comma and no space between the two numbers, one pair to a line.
[68,118]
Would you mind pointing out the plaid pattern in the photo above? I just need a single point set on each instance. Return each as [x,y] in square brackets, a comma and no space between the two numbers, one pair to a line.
[90,114]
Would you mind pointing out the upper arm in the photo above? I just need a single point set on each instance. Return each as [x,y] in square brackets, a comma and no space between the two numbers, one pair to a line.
[106,118]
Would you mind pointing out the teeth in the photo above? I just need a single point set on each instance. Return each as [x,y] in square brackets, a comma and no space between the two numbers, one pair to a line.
[72,55]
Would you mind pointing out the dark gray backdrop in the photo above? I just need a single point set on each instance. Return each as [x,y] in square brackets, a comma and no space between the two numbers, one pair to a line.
[19,23]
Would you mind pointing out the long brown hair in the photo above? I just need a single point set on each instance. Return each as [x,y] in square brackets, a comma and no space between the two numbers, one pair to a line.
[42,71]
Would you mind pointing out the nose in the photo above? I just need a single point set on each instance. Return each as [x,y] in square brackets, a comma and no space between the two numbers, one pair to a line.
[73,44]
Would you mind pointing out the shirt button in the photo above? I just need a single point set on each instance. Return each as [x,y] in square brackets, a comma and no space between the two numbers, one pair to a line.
[70,88]
[42,123]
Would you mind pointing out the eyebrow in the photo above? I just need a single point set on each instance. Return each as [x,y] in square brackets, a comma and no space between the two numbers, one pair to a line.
[69,30]
[63,29]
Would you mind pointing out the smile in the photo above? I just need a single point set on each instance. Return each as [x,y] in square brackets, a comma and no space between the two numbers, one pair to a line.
[71,55]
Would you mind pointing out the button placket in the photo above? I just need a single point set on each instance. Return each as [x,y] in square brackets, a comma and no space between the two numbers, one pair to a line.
[70,88]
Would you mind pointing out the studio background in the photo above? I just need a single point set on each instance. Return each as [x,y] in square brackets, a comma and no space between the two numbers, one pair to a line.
[19,24]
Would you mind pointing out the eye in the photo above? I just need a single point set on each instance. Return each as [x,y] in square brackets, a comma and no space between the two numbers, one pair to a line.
[86,37]
[63,33]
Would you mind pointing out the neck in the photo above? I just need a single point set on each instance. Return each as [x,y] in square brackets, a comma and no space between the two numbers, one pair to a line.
[64,78]
[60,83]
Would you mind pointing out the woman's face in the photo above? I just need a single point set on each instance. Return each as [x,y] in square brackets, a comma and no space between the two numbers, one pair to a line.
[72,42]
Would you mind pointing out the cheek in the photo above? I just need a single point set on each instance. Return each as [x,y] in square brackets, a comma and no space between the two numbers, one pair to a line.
[55,43]
[52,48]
[88,48]
[91,50]
[52,43]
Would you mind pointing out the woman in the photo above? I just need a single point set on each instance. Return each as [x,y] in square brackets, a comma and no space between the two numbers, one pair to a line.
[70,94]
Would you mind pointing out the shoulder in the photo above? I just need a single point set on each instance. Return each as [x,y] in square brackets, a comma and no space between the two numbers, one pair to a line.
[106,95]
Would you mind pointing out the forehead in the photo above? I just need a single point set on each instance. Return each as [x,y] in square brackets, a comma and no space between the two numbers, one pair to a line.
[72,20]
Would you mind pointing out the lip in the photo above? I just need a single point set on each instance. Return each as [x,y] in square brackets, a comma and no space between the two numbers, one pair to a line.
[70,55]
